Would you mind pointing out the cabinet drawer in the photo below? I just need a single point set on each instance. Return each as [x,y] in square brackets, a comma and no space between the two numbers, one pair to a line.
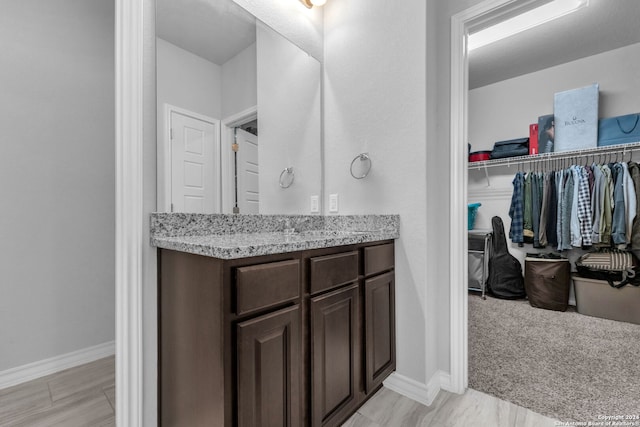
[330,271]
[378,258]
[264,285]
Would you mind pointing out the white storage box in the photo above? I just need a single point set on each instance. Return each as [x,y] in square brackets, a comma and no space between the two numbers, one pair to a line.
[597,298]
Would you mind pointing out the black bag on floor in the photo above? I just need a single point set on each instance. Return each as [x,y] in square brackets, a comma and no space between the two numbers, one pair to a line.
[505,271]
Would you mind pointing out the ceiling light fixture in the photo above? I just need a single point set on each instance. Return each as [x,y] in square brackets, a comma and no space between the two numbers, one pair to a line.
[311,3]
[524,21]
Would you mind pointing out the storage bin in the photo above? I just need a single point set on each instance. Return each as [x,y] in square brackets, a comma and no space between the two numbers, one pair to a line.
[547,282]
[471,216]
[596,298]
[478,259]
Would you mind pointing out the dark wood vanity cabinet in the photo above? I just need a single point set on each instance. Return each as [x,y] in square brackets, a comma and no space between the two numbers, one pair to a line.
[268,358]
[297,339]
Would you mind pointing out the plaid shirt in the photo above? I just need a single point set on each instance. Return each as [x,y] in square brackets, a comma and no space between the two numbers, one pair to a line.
[516,211]
[584,207]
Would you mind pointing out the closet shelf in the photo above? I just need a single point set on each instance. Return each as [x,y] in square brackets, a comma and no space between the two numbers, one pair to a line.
[597,154]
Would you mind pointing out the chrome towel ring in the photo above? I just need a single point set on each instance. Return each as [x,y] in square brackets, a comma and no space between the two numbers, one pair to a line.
[286,177]
[365,162]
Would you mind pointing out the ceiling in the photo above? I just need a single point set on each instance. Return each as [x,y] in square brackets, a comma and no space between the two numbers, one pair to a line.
[216,30]
[602,26]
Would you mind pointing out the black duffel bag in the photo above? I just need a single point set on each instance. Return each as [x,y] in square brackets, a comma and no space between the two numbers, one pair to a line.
[510,148]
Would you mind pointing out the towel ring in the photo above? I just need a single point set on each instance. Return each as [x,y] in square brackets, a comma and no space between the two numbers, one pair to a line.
[363,157]
[287,177]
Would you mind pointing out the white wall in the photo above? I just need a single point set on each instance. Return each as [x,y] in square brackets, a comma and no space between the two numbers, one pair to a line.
[186,81]
[57,175]
[288,122]
[375,102]
[239,82]
[292,19]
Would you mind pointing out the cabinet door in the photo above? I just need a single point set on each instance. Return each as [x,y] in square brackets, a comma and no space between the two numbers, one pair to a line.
[335,350]
[269,370]
[380,339]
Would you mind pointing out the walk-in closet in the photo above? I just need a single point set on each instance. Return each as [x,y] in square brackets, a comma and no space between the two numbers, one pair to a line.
[580,364]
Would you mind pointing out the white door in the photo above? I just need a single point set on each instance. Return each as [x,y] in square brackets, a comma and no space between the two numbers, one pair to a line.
[247,172]
[194,174]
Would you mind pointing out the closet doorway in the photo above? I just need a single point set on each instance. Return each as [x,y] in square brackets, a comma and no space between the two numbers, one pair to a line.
[462,125]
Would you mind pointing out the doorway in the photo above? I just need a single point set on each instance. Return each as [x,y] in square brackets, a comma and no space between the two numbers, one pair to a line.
[240,162]
[461,25]
[460,120]
[247,172]
[189,162]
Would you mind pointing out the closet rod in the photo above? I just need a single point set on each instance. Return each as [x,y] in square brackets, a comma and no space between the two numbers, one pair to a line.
[620,149]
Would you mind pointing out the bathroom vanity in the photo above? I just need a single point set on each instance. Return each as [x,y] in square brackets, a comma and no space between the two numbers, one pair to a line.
[261,327]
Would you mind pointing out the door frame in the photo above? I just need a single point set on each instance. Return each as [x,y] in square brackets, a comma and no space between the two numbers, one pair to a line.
[130,220]
[461,24]
[164,156]
[227,165]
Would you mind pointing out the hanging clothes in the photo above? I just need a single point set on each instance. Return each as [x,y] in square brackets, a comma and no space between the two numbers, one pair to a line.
[516,211]
[576,238]
[618,224]
[607,206]
[559,212]
[634,171]
[567,209]
[597,200]
[527,231]
[578,207]
[536,204]
[629,201]
[584,207]
[552,213]
[544,209]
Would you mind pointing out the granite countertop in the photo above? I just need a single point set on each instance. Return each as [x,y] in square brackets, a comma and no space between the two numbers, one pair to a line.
[239,236]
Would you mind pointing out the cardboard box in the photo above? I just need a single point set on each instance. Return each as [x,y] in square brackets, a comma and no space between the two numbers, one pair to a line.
[597,298]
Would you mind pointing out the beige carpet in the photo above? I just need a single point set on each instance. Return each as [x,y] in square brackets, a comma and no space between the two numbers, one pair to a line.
[561,364]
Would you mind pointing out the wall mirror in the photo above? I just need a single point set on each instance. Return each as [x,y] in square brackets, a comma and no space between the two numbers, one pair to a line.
[237,104]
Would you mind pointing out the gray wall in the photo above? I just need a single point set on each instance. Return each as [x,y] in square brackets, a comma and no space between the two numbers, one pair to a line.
[376,102]
[57,178]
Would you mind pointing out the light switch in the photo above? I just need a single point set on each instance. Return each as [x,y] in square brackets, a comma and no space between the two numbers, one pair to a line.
[333,203]
[315,204]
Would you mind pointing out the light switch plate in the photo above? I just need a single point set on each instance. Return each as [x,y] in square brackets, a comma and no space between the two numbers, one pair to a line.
[315,204]
[333,203]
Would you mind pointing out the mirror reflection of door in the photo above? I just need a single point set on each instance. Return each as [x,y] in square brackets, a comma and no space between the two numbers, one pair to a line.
[194,186]
[247,172]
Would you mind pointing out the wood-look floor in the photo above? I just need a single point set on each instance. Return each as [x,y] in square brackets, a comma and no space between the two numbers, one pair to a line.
[78,397]
[84,396]
[471,409]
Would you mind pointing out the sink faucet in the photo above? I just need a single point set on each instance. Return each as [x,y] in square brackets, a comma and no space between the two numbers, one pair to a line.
[288,229]
[294,224]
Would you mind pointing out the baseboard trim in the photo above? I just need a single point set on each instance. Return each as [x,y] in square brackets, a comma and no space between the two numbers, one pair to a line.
[32,371]
[445,382]
[422,393]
